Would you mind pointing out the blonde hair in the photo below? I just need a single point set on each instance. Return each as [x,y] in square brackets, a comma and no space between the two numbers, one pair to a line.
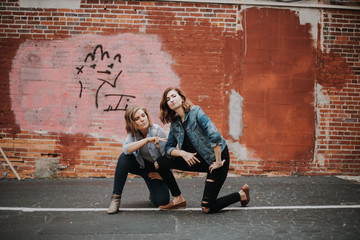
[166,114]
[130,121]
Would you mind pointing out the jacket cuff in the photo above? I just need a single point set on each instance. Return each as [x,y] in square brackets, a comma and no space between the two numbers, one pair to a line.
[213,145]
[169,150]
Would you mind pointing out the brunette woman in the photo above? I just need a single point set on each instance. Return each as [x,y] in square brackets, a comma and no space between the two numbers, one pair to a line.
[201,148]
[144,144]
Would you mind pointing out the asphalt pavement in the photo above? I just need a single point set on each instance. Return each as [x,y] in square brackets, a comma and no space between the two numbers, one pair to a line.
[300,207]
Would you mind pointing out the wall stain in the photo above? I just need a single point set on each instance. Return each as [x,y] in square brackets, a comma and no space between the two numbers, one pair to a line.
[329,66]
[8,49]
[70,146]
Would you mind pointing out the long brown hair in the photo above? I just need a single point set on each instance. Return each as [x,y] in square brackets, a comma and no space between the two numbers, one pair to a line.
[130,121]
[166,114]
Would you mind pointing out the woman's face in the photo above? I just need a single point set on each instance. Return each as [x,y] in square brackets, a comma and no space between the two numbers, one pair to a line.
[141,120]
[174,100]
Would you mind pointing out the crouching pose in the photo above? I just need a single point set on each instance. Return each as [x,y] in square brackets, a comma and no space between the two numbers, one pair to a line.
[200,149]
[144,144]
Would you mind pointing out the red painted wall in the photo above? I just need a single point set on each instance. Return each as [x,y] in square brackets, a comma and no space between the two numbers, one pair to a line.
[67,75]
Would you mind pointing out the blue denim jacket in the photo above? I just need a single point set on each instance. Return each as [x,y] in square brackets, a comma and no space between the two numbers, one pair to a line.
[202,133]
[154,131]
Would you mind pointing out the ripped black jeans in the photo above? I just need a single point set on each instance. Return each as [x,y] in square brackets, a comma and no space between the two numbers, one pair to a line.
[213,182]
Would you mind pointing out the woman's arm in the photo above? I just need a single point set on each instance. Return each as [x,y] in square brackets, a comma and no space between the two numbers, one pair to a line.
[139,144]
[218,162]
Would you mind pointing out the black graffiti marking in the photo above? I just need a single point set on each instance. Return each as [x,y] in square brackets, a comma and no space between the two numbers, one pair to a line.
[112,82]
[97,93]
[116,78]
[81,88]
[103,54]
[79,69]
[106,72]
[110,108]
[118,56]
[104,81]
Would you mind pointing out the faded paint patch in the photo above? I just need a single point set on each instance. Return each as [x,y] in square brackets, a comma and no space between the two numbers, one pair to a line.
[84,84]
[320,160]
[70,4]
[240,151]
[321,100]
[329,66]
[235,115]
[312,17]
[70,146]
[232,62]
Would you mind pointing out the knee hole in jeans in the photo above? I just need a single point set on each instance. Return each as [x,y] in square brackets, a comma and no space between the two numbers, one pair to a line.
[205,206]
[210,180]
[205,209]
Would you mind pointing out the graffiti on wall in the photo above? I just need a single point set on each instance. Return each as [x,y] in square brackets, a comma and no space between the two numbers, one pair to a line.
[106,76]
[84,84]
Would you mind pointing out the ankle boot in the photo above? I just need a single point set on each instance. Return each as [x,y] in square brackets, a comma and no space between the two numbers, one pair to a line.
[114,204]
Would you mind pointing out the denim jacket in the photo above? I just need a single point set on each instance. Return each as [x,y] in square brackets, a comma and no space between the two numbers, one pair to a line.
[154,131]
[202,133]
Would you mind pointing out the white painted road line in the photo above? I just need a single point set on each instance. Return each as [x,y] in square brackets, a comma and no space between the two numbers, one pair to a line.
[27,209]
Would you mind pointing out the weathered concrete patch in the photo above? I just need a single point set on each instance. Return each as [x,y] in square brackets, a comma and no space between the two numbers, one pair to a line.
[235,114]
[46,167]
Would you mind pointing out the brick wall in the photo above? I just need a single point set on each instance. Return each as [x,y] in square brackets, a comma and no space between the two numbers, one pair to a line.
[338,127]
[281,87]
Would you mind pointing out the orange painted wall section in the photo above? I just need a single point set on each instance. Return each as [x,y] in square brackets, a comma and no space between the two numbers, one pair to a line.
[278,84]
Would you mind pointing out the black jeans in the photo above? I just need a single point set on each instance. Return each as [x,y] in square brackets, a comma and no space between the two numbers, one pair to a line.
[159,191]
[213,183]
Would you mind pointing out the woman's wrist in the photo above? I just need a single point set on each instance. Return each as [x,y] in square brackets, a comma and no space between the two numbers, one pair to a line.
[182,153]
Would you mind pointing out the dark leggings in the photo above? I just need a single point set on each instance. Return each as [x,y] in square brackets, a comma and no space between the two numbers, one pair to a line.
[213,183]
[159,191]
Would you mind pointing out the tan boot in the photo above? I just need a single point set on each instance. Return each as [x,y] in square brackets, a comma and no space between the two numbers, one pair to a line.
[114,204]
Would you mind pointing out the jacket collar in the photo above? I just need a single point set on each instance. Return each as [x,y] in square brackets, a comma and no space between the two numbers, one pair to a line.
[178,120]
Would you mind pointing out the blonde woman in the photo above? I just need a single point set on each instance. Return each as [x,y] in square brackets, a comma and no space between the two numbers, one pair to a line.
[144,144]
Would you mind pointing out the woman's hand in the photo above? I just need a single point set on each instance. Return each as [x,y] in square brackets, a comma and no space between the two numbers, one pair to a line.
[156,140]
[154,175]
[216,165]
[190,158]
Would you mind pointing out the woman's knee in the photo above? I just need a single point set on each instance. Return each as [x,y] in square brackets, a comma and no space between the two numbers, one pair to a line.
[124,160]
[156,165]
[207,205]
[160,163]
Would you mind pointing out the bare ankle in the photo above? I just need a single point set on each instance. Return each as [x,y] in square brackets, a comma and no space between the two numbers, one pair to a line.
[178,199]
[242,195]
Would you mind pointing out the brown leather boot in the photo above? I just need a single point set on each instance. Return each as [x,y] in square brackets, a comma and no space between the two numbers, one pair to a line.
[114,204]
